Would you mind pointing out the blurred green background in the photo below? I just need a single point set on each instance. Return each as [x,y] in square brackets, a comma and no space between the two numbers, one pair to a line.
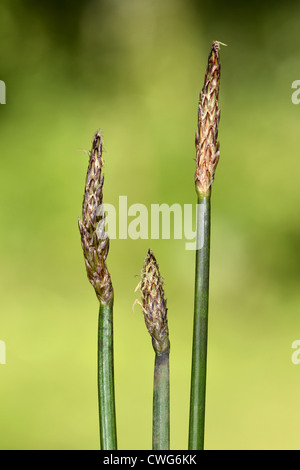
[134,68]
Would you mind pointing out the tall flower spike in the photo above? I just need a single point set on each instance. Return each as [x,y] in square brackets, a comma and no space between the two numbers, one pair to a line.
[154,304]
[94,239]
[207,146]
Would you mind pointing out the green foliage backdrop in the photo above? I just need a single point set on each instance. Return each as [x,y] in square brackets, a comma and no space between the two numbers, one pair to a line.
[134,68]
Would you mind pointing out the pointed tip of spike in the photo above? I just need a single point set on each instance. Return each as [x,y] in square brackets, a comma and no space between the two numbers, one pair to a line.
[219,43]
[207,146]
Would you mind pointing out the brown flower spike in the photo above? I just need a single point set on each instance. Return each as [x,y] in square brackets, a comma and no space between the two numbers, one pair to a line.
[154,304]
[207,146]
[94,239]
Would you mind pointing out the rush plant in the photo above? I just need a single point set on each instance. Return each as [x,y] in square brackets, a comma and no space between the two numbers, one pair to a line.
[154,307]
[207,157]
[95,246]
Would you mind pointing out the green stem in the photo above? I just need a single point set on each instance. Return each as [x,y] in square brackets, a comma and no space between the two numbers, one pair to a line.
[199,358]
[161,403]
[106,393]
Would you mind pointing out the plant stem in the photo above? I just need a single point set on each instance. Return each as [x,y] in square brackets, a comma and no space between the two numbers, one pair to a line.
[154,306]
[106,392]
[207,158]
[95,246]
[161,403]
[199,359]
